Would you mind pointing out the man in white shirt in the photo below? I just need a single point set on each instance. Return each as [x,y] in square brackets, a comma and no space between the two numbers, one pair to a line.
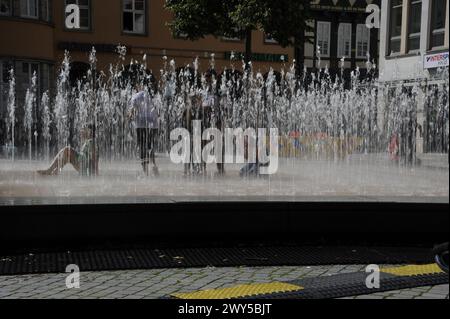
[147,125]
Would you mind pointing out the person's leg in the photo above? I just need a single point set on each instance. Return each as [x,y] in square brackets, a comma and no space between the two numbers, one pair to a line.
[203,164]
[146,146]
[206,124]
[152,146]
[143,148]
[220,169]
[221,165]
[66,156]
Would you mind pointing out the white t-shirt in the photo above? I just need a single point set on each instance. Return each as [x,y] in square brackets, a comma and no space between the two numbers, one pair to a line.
[146,113]
[208,100]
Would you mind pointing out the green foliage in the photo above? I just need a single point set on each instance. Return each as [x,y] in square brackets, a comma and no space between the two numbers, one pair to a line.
[284,20]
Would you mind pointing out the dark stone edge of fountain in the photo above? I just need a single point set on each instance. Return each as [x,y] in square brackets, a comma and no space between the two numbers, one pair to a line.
[150,200]
[377,221]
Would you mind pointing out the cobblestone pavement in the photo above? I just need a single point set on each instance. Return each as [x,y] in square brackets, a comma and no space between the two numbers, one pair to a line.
[151,284]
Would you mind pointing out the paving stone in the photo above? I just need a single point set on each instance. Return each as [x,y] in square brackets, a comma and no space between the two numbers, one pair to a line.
[151,284]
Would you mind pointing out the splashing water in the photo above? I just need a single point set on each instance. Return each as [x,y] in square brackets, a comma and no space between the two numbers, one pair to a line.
[319,116]
[30,105]
[46,123]
[11,109]
[61,103]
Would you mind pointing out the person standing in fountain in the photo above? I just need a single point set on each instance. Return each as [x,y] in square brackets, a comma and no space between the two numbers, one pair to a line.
[211,116]
[85,162]
[146,121]
[190,114]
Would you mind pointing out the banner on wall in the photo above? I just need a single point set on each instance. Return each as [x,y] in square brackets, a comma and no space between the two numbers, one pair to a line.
[436,60]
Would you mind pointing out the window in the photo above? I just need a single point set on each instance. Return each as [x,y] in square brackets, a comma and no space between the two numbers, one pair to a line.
[438,12]
[362,41]
[24,80]
[5,7]
[323,37]
[182,36]
[29,8]
[134,16]
[44,8]
[414,24]
[233,38]
[44,80]
[268,39]
[395,29]
[345,40]
[28,69]
[236,39]
[2,92]
[85,12]
[5,67]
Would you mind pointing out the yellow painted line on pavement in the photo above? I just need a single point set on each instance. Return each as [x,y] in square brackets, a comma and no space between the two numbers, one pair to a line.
[413,270]
[240,291]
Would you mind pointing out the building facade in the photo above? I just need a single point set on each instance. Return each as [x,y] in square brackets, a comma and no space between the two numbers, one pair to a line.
[414,53]
[33,39]
[340,31]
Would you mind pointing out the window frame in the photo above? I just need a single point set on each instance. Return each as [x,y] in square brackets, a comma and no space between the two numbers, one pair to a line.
[27,15]
[8,14]
[4,85]
[228,39]
[359,38]
[89,9]
[31,63]
[390,38]
[328,24]
[25,86]
[415,35]
[432,31]
[134,11]
[342,38]
[269,40]
[232,39]
[3,96]
[48,18]
[45,16]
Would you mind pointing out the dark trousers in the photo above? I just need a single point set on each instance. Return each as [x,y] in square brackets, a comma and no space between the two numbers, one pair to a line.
[206,117]
[146,139]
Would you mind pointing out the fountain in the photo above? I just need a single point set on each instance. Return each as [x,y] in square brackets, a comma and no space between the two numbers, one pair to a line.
[46,122]
[11,111]
[331,144]
[30,105]
[61,107]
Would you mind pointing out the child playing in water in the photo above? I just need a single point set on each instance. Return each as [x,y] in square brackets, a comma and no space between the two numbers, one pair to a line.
[147,124]
[85,161]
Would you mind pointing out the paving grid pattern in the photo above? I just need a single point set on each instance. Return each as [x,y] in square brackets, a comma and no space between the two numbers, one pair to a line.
[153,284]
[147,257]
